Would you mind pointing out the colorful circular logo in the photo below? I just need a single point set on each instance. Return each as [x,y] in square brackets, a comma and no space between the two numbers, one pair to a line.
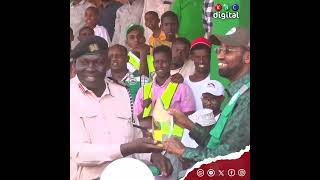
[218,7]
[235,7]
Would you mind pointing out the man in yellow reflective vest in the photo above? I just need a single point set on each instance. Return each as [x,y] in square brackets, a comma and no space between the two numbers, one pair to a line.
[139,55]
[180,95]
[172,95]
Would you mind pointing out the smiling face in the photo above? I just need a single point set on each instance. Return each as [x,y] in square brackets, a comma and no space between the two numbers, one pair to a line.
[201,58]
[91,17]
[232,60]
[118,58]
[151,20]
[161,63]
[91,70]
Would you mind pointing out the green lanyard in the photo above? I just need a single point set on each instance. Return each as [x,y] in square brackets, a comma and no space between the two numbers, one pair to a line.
[223,119]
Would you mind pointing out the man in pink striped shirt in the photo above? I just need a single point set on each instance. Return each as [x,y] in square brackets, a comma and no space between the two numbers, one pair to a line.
[101,125]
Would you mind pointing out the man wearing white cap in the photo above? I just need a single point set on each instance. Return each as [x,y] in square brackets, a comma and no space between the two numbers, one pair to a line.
[212,97]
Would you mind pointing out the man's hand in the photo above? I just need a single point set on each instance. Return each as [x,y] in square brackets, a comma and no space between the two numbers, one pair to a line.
[146,103]
[146,123]
[163,163]
[147,145]
[142,49]
[174,146]
[181,119]
[141,145]
[177,78]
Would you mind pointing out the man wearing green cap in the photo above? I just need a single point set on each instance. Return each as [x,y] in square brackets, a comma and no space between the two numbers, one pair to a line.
[129,13]
[231,132]
[139,52]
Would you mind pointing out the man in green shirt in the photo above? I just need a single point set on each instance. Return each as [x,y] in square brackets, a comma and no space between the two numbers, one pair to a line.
[189,14]
[231,133]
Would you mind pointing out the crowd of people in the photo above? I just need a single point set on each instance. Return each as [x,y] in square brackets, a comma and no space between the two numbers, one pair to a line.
[130,59]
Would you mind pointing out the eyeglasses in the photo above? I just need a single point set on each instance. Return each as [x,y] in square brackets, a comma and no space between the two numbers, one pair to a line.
[227,50]
[208,99]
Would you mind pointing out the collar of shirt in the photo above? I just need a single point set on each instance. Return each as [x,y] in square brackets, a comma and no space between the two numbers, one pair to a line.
[236,85]
[164,84]
[88,92]
[122,81]
[162,36]
[125,77]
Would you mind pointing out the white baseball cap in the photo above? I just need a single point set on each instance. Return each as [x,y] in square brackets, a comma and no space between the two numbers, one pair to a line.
[214,87]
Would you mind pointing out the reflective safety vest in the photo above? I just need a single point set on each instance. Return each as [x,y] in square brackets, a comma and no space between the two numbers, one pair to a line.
[135,61]
[166,99]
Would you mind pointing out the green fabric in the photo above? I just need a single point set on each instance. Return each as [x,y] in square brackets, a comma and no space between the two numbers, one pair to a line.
[223,119]
[189,13]
[200,135]
[236,134]
[134,83]
[221,27]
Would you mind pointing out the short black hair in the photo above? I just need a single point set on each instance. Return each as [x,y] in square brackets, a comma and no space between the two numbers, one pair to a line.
[152,13]
[164,49]
[94,10]
[200,46]
[86,27]
[170,14]
[124,49]
[184,41]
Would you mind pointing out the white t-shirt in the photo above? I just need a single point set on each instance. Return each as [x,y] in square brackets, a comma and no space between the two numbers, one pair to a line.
[197,89]
[188,141]
[102,32]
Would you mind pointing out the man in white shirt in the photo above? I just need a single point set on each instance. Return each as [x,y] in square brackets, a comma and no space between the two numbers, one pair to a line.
[91,18]
[212,97]
[77,9]
[200,53]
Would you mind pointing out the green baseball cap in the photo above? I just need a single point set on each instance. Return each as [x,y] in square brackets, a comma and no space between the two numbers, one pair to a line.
[132,27]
